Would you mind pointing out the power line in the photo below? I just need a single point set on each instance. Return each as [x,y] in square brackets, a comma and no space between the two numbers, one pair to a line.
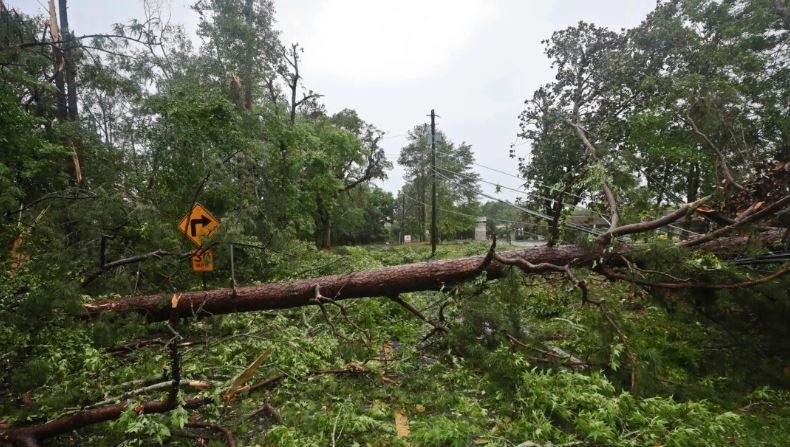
[519,178]
[541,197]
[434,172]
[467,214]
[526,193]
[525,210]
[440,209]
[387,137]
[475,217]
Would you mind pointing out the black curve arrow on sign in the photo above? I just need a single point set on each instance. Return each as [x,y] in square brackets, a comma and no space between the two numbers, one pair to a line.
[193,223]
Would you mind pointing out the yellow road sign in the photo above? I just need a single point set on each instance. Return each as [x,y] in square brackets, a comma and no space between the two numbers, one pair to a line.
[203,262]
[198,223]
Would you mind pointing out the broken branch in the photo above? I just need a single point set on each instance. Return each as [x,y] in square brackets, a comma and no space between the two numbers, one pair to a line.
[229,439]
[416,312]
[763,213]
[613,274]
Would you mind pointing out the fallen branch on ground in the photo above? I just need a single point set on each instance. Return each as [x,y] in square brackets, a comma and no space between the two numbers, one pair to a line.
[230,440]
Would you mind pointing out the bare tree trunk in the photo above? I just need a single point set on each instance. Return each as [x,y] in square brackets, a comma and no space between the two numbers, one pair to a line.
[60,84]
[323,225]
[692,182]
[381,282]
[555,212]
[423,211]
[387,281]
[68,56]
[326,234]
[248,57]
[662,187]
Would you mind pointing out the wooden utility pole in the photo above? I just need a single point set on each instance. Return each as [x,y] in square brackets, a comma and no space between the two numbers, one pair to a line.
[434,237]
[402,215]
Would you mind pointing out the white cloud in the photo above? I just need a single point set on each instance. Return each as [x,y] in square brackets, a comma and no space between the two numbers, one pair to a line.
[365,40]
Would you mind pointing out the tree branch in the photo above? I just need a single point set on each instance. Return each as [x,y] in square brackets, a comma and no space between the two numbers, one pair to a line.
[131,260]
[641,227]
[32,435]
[229,439]
[527,266]
[719,156]
[566,360]
[307,98]
[610,198]
[763,213]
[431,275]
[195,384]
[414,311]
[86,36]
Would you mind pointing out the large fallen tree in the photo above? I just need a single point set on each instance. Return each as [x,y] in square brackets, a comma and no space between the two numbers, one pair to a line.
[391,281]
[387,281]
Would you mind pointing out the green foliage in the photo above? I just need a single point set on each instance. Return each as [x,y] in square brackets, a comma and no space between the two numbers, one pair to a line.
[524,361]
[589,409]
[457,186]
[341,156]
[141,428]
[362,214]
[587,92]
[29,164]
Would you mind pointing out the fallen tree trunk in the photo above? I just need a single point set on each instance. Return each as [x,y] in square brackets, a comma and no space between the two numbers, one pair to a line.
[32,435]
[387,281]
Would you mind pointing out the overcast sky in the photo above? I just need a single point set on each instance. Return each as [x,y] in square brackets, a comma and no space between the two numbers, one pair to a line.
[473,61]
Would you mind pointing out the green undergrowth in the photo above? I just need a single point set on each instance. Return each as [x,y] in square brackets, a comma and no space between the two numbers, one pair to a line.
[524,362]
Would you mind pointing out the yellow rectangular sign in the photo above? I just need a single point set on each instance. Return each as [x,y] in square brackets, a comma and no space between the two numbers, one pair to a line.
[203,262]
[198,223]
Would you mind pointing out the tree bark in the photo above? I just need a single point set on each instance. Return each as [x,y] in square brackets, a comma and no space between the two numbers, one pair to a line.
[555,211]
[33,435]
[381,282]
[323,225]
[387,281]
[62,110]
[68,57]
[249,56]
[692,182]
